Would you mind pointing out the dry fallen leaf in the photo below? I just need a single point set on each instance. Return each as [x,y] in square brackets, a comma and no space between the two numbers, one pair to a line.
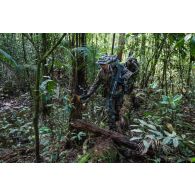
[169,127]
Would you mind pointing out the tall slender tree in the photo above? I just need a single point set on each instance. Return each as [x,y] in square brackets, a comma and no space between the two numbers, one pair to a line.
[121,45]
[113,42]
[39,62]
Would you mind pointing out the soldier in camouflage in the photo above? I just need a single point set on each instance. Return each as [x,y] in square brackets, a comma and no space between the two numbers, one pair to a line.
[113,76]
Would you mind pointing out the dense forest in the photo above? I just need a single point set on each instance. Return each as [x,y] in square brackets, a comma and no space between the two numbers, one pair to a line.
[42,76]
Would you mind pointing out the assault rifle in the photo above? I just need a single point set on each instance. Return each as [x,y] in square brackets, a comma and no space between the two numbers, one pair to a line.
[116,80]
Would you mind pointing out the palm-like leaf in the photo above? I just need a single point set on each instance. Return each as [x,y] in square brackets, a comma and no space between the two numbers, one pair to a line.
[6,58]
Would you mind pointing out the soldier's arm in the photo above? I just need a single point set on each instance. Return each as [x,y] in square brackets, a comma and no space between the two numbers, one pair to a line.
[94,87]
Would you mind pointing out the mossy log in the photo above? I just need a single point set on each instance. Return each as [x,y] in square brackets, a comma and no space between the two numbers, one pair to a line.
[115,136]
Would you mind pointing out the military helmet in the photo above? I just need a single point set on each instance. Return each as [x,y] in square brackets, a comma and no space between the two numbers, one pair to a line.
[106,59]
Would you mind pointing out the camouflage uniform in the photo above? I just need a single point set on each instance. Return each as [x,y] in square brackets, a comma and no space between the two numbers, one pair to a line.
[113,102]
[133,66]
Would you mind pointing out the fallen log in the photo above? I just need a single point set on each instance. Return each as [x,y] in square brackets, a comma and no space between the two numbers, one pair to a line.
[115,136]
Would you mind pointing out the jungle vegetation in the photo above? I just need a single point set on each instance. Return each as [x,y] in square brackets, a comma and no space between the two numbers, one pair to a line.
[40,74]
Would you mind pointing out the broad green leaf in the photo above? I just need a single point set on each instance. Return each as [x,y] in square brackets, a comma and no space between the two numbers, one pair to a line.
[173,134]
[193,160]
[193,46]
[159,90]
[51,86]
[193,40]
[164,102]
[187,37]
[160,137]
[165,98]
[54,157]
[13,131]
[80,135]
[175,142]
[135,138]
[137,130]
[44,130]
[180,43]
[173,105]
[183,136]
[146,145]
[155,132]
[150,136]
[58,64]
[45,142]
[85,158]
[147,113]
[167,133]
[177,98]
[48,86]
[191,142]
[8,59]
[166,140]
[143,123]
[152,127]
[154,85]
[6,126]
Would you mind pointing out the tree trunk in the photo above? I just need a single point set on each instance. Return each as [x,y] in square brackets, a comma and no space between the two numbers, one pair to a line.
[121,45]
[113,41]
[36,113]
[45,110]
[164,77]
[181,69]
[78,76]
[155,58]
[26,70]
[73,40]
[192,58]
[40,60]
[44,49]
[81,61]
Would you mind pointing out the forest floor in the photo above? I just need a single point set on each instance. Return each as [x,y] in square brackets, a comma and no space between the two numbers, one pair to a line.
[17,140]
[12,112]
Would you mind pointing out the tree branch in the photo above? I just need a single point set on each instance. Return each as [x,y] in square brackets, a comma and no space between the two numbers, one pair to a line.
[52,49]
[29,38]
